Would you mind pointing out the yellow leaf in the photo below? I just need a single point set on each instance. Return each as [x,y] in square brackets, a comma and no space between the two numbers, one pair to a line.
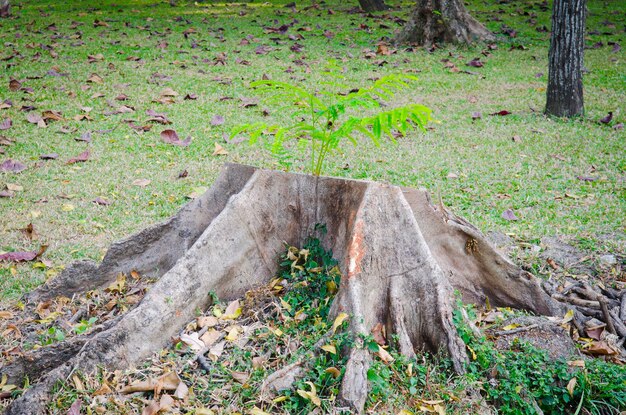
[78,383]
[331,287]
[569,316]
[409,370]
[285,305]
[67,207]
[232,311]
[204,411]
[279,399]
[472,352]
[339,320]
[118,285]
[312,395]
[404,412]
[278,332]
[511,326]
[233,334]
[571,385]
[257,411]
[333,371]
[329,348]
[217,312]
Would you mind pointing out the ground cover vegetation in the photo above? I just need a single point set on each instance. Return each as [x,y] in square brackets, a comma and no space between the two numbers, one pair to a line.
[114,116]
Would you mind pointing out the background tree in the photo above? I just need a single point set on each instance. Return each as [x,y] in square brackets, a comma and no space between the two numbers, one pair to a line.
[442,21]
[373,5]
[565,81]
[4,8]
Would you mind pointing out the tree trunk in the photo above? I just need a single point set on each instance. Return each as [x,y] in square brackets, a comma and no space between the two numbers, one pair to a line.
[565,79]
[401,258]
[5,8]
[442,21]
[373,5]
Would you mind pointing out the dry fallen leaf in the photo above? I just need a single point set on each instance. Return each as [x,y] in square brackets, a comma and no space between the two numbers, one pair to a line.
[219,150]
[210,337]
[141,182]
[338,321]
[168,381]
[384,355]
[571,385]
[192,341]
[241,377]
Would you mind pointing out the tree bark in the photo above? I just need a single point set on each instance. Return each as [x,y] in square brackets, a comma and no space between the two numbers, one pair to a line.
[402,259]
[5,8]
[442,21]
[565,80]
[373,5]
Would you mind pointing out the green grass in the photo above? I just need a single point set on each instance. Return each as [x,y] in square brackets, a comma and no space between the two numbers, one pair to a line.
[531,176]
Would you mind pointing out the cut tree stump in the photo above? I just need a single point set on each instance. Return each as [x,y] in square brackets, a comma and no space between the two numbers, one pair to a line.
[442,21]
[402,259]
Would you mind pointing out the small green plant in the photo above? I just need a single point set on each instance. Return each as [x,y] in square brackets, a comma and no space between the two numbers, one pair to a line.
[84,325]
[52,335]
[322,120]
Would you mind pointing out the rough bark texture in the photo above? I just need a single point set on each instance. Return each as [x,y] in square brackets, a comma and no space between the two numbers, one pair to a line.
[442,21]
[402,258]
[5,8]
[565,79]
[373,5]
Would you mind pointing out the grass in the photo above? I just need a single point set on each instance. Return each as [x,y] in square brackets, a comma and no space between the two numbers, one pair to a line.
[535,176]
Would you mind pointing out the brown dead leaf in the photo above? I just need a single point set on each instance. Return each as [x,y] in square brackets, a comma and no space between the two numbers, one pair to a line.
[6,314]
[82,157]
[600,348]
[206,321]
[152,408]
[241,377]
[95,79]
[219,150]
[29,232]
[168,382]
[169,92]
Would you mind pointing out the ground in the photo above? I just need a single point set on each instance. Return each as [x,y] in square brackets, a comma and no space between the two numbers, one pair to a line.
[558,177]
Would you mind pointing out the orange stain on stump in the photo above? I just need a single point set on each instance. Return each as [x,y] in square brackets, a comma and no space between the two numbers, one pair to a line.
[356,250]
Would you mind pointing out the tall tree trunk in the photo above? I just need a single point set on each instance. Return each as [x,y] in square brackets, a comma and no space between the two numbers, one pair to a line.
[4,8]
[373,5]
[442,21]
[565,80]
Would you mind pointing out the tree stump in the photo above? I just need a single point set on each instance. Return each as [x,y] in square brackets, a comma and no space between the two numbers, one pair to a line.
[402,259]
[442,21]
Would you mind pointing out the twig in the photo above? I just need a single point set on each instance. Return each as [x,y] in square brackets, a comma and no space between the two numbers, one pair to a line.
[620,327]
[517,330]
[204,364]
[622,308]
[607,317]
[576,301]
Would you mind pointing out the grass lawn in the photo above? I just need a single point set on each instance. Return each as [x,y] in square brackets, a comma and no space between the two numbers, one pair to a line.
[103,67]
[523,161]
